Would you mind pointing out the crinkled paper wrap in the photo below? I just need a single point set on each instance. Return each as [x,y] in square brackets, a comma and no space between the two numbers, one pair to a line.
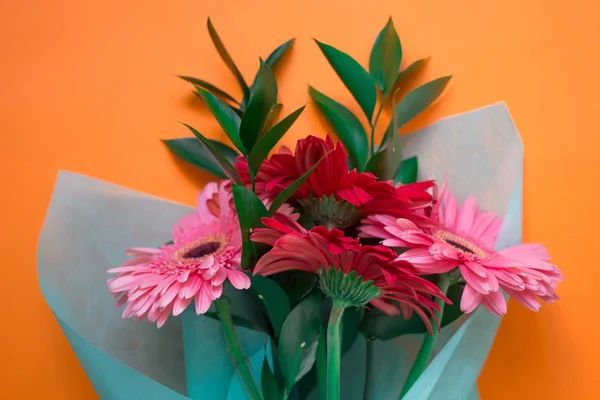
[90,222]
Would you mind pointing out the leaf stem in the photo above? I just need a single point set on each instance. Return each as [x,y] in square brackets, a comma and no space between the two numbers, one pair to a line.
[241,363]
[370,374]
[334,349]
[375,124]
[427,346]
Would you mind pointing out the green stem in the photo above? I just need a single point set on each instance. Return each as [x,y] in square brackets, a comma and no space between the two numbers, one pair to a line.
[235,350]
[322,364]
[370,375]
[429,340]
[253,183]
[373,127]
[334,349]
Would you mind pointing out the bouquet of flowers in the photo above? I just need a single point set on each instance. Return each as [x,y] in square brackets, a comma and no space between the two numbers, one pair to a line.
[333,270]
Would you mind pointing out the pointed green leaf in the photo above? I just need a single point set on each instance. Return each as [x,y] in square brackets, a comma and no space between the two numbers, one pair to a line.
[229,120]
[299,338]
[358,81]
[408,171]
[278,54]
[386,162]
[267,141]
[297,284]
[381,326]
[386,57]
[250,209]
[193,152]
[217,155]
[226,57]
[346,126]
[269,385]
[273,299]
[264,97]
[210,87]
[289,191]
[273,116]
[409,71]
[417,100]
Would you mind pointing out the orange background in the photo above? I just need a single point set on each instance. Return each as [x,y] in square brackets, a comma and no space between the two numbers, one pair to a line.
[89,87]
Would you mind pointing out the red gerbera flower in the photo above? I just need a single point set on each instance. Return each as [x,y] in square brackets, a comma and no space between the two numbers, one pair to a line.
[393,286]
[332,195]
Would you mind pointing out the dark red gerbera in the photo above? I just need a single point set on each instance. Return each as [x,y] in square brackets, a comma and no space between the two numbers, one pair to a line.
[332,195]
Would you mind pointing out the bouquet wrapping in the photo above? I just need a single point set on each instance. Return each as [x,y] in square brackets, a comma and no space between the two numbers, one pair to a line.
[89,222]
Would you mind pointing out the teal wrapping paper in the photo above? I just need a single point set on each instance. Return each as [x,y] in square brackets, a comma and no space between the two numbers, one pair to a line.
[90,223]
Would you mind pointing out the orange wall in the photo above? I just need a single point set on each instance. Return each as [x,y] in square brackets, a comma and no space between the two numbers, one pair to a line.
[88,87]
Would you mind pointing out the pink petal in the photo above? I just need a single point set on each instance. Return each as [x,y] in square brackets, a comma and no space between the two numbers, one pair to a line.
[450,209]
[470,299]
[238,279]
[202,301]
[495,303]
[527,299]
[217,291]
[180,305]
[467,214]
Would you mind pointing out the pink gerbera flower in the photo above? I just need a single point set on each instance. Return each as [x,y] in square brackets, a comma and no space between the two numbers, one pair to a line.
[206,251]
[399,290]
[465,238]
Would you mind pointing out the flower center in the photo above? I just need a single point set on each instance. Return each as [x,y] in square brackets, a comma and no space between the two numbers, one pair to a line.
[329,212]
[461,244]
[200,248]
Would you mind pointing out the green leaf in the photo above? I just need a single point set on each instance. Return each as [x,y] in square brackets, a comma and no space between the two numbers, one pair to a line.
[226,117]
[217,155]
[297,284]
[417,100]
[239,321]
[245,310]
[264,97]
[267,141]
[193,152]
[408,171]
[289,191]
[386,162]
[386,57]
[269,385]
[273,116]
[346,126]
[381,326]
[407,72]
[250,209]
[299,339]
[210,87]
[273,299]
[358,81]
[226,57]
[350,327]
[278,54]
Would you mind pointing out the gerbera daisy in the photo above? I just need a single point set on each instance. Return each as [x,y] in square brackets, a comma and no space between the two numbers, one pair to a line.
[206,251]
[465,238]
[332,195]
[390,285]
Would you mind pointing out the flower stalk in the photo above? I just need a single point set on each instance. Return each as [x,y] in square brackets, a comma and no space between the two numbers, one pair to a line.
[426,349]
[241,363]
[334,349]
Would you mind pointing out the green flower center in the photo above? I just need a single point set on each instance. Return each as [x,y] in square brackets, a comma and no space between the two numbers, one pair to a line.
[329,212]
